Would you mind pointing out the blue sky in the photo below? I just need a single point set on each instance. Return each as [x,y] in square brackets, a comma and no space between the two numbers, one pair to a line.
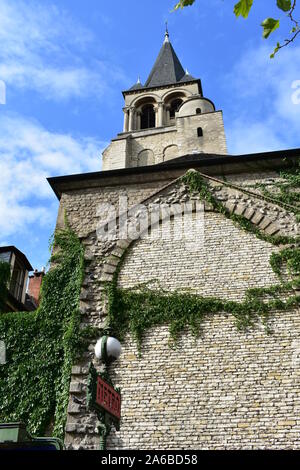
[65,62]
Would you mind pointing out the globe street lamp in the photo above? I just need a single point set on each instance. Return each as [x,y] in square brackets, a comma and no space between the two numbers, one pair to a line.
[107,349]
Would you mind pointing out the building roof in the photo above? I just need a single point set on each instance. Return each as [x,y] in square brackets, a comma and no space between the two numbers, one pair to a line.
[167,68]
[211,164]
[19,255]
[137,85]
[187,78]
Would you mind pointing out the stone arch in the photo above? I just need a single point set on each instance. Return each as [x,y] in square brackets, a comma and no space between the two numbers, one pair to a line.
[179,91]
[216,265]
[256,217]
[170,152]
[149,97]
[146,157]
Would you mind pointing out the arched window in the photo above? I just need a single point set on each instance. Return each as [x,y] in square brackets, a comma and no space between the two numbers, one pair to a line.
[175,105]
[147,116]
[200,132]
[198,111]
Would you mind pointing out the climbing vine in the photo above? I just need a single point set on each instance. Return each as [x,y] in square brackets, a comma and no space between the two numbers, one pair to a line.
[140,308]
[42,345]
[286,190]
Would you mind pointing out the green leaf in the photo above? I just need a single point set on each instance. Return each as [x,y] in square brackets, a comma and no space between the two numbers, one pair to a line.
[284,5]
[242,8]
[269,25]
[275,51]
[184,3]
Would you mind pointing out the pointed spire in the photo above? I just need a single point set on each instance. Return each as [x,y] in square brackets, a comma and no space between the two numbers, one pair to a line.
[137,85]
[187,77]
[167,37]
[167,68]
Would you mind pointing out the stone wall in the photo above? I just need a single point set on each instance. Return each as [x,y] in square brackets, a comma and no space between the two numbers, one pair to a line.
[226,389]
[124,151]
[224,263]
[82,206]
[213,140]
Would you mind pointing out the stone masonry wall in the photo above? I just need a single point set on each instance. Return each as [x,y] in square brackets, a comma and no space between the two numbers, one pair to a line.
[124,151]
[226,389]
[81,206]
[224,264]
[213,140]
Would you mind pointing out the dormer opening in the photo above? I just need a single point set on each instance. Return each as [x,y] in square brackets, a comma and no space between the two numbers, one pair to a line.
[198,111]
[147,116]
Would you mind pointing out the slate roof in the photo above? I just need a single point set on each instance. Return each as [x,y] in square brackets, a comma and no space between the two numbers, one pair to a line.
[167,69]
[187,78]
[136,86]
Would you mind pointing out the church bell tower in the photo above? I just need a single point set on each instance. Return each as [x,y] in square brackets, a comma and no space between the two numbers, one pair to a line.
[166,118]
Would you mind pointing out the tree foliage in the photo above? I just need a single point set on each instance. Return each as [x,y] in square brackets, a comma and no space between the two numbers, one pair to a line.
[269,25]
[41,345]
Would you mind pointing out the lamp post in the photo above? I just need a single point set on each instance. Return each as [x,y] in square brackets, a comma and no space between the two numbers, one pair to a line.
[102,397]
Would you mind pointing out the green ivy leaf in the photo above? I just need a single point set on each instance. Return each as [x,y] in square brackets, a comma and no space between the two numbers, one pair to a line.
[269,25]
[284,5]
[242,8]
[183,3]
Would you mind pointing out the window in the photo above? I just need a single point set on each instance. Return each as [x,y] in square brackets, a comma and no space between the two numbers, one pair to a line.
[147,117]
[200,132]
[17,281]
[198,111]
[175,105]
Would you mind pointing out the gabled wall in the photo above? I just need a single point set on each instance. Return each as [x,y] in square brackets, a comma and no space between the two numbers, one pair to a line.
[227,388]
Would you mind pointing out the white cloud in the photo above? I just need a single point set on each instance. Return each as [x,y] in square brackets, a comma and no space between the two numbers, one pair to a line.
[28,154]
[264,116]
[43,49]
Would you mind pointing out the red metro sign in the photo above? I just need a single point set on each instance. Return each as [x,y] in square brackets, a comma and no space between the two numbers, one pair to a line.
[108,398]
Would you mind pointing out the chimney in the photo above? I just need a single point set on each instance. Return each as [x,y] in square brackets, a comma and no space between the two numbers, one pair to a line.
[34,286]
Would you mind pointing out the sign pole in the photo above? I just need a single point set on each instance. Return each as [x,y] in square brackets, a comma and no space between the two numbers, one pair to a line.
[105,400]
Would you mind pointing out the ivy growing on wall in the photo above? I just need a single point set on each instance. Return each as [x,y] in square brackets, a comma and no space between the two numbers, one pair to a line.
[286,190]
[140,308]
[41,345]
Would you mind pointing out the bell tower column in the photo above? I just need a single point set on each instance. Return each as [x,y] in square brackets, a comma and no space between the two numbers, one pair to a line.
[131,119]
[160,115]
[167,115]
[126,120]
